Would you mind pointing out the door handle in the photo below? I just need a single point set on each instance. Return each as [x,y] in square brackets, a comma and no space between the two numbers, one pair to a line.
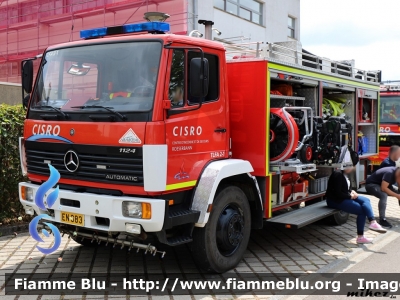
[222,130]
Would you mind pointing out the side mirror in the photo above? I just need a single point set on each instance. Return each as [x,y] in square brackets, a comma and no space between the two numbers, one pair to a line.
[198,77]
[27,75]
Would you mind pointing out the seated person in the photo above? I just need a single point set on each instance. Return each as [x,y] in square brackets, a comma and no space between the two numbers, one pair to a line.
[121,87]
[381,185]
[129,83]
[177,97]
[340,196]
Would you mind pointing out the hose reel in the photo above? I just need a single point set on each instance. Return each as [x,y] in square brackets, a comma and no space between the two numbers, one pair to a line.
[283,135]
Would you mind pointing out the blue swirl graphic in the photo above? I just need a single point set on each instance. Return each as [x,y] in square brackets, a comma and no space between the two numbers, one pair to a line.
[39,201]
[45,187]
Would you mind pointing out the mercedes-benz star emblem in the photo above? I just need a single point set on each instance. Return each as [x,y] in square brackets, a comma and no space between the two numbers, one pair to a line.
[71,161]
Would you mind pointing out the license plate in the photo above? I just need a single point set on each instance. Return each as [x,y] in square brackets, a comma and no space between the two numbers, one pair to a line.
[72,218]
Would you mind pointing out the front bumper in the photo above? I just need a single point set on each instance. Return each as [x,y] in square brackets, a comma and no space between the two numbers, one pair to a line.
[109,207]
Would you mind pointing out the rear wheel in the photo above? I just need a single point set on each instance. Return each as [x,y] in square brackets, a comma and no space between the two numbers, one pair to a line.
[220,245]
[338,218]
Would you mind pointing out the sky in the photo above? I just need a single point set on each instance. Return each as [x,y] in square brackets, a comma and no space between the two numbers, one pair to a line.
[365,30]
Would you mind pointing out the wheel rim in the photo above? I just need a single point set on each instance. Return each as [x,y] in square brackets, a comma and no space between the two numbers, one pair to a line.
[230,229]
[309,153]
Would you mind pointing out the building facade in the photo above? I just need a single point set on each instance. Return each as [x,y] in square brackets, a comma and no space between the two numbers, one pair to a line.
[250,20]
[27,27]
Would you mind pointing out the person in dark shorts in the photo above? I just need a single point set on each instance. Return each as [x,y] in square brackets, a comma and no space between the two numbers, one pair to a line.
[380,184]
[394,155]
[340,196]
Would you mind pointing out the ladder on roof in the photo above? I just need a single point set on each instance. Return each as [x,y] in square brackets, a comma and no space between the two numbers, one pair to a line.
[243,50]
[299,57]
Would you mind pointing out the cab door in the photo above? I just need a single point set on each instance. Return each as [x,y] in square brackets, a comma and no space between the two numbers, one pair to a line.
[196,136]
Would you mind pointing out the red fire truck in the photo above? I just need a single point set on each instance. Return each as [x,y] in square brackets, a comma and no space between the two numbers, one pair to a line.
[389,129]
[187,140]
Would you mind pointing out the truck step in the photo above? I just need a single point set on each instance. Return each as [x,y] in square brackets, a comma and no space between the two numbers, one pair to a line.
[303,216]
[178,240]
[182,216]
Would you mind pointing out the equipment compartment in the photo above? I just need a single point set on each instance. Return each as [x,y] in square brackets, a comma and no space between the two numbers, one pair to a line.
[367,120]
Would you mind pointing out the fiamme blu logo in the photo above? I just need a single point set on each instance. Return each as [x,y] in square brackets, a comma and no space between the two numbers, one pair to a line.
[44,205]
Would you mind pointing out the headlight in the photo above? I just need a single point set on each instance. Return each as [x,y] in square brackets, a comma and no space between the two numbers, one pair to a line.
[132,228]
[29,211]
[140,210]
[27,193]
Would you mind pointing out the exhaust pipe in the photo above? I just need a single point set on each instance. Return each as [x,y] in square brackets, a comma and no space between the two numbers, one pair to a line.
[98,238]
[207,28]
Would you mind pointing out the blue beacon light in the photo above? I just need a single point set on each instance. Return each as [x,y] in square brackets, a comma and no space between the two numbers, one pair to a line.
[159,27]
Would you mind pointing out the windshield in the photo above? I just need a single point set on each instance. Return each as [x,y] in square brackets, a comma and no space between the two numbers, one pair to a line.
[390,110]
[120,76]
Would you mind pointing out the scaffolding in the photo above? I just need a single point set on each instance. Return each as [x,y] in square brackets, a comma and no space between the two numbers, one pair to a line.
[28,27]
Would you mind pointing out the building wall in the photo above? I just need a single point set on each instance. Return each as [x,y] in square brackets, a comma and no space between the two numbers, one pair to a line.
[10,93]
[277,13]
[28,27]
[275,21]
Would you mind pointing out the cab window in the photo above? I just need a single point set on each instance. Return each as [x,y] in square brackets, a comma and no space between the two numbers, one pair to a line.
[177,79]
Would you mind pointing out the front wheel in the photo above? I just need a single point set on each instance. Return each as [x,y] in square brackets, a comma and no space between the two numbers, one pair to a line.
[220,245]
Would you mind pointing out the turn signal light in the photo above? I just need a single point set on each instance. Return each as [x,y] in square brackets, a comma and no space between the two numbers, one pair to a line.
[26,193]
[23,192]
[146,210]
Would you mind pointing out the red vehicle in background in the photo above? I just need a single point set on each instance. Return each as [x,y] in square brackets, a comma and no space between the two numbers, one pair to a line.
[389,120]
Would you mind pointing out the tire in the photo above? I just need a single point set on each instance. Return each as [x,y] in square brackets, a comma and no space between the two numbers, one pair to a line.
[338,218]
[306,154]
[212,248]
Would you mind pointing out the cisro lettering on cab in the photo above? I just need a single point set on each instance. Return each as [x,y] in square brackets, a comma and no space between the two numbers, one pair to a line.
[384,129]
[187,130]
[46,129]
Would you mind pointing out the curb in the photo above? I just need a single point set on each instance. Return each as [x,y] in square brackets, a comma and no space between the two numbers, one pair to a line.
[9,230]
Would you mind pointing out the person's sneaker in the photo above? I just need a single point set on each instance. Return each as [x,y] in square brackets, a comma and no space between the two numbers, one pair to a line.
[364,240]
[376,227]
[385,223]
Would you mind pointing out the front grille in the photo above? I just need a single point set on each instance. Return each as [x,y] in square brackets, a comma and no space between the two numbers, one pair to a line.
[96,163]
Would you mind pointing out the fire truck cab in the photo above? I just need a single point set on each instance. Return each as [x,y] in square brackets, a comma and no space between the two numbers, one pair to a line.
[187,140]
[389,129]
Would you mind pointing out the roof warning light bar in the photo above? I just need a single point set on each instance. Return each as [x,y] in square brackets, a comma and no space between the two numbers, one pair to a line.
[152,27]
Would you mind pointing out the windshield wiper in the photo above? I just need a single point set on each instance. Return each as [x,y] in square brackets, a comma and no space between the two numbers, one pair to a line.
[55,109]
[103,107]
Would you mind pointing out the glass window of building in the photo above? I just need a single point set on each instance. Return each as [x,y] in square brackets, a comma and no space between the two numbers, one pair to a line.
[247,9]
[291,27]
